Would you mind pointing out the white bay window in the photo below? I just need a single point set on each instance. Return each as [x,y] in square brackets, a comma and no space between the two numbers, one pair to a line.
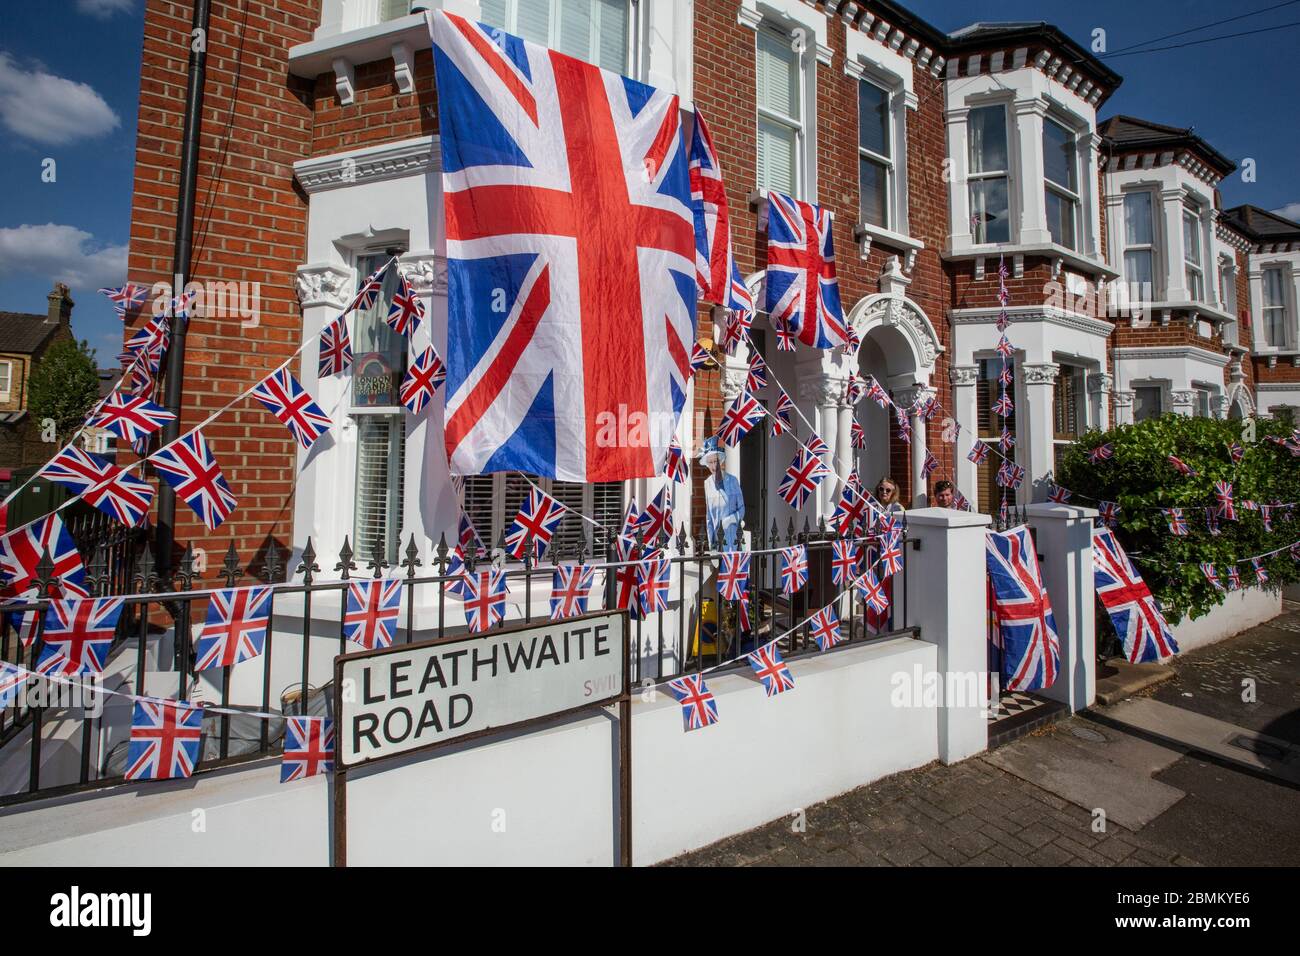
[1061,184]
[988,174]
[1193,270]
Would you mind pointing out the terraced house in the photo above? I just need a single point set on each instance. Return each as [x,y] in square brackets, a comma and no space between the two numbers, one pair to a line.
[940,156]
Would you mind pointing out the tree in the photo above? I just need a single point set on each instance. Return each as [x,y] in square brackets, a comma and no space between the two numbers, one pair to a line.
[64,387]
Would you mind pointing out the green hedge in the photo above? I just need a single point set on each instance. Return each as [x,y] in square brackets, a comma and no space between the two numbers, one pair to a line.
[1141,479]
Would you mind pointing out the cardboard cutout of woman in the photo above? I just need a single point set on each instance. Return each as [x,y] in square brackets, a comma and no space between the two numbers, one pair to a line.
[723,500]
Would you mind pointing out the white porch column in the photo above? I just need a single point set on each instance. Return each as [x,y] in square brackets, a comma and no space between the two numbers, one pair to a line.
[1171,202]
[1183,401]
[1064,536]
[1123,407]
[1099,386]
[965,379]
[828,427]
[1033,211]
[844,442]
[734,373]
[1034,425]
[910,397]
[946,599]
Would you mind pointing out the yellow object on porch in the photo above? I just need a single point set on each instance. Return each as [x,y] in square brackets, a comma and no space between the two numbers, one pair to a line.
[707,625]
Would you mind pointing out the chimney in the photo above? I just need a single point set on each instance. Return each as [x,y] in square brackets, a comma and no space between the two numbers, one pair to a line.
[60,299]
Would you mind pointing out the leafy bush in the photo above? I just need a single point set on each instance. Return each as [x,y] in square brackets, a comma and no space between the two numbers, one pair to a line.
[64,386]
[1141,479]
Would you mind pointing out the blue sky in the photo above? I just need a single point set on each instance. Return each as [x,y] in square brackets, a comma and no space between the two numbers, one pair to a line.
[70,75]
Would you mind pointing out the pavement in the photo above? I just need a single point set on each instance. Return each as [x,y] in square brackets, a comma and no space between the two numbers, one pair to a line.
[1201,769]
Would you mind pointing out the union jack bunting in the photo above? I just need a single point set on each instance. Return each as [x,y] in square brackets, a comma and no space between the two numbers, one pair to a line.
[851,509]
[485,598]
[676,469]
[631,518]
[739,298]
[1005,348]
[422,379]
[1058,494]
[1182,467]
[771,669]
[744,412]
[735,329]
[1003,406]
[1133,610]
[657,519]
[567,187]
[784,336]
[1023,611]
[700,357]
[781,422]
[1234,578]
[1177,524]
[824,626]
[653,581]
[289,402]
[978,453]
[709,209]
[1101,453]
[891,553]
[165,737]
[1211,575]
[857,436]
[625,593]
[456,571]
[1007,374]
[126,299]
[570,590]
[699,708]
[927,407]
[817,446]
[1261,575]
[844,562]
[802,477]
[1212,521]
[20,553]
[101,484]
[742,613]
[538,518]
[180,305]
[1266,515]
[757,377]
[335,356]
[467,536]
[904,426]
[371,286]
[129,417]
[406,311]
[12,680]
[802,291]
[78,635]
[1248,504]
[370,617]
[961,502]
[1236,452]
[733,575]
[236,627]
[873,592]
[150,340]
[794,568]
[1006,440]
[930,466]
[1223,492]
[1108,512]
[877,394]
[308,748]
[188,466]
[1010,475]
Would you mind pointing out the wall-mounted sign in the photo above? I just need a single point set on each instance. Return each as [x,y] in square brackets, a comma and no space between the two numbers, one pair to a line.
[373,382]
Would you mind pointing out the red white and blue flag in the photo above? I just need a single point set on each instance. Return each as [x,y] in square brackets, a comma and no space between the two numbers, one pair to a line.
[422,379]
[129,417]
[308,748]
[844,562]
[676,469]
[485,598]
[700,358]
[1058,494]
[1211,575]
[570,590]
[771,669]
[733,575]
[802,477]
[824,626]
[874,592]
[1177,524]
[978,453]
[1182,467]
[406,311]
[235,629]
[1223,493]
[757,377]
[781,422]
[188,465]
[126,299]
[370,616]
[335,355]
[794,568]
[891,553]
[709,207]
[1261,575]
[165,736]
[657,519]
[101,483]
[371,287]
[78,635]
[1030,646]
[802,291]
[1133,610]
[1102,453]
[566,189]
[289,402]
[538,518]
[699,708]
[744,412]
[653,581]
[20,553]
[12,680]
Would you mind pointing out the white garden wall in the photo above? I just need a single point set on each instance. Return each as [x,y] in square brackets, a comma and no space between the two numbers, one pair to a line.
[1239,611]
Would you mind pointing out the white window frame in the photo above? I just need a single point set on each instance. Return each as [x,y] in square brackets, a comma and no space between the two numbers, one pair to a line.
[1152,248]
[887,161]
[868,60]
[1075,198]
[1284,307]
[1194,268]
[1161,385]
[1013,210]
[630,65]
[7,367]
[798,126]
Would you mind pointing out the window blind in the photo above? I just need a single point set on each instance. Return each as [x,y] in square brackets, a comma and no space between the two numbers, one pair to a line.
[380,456]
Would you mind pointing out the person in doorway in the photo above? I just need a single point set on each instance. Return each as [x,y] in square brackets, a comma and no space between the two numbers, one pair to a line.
[887,495]
[877,622]
[724,502]
[945,494]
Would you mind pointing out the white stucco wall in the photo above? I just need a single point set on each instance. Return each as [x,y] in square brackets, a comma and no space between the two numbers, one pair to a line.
[1239,611]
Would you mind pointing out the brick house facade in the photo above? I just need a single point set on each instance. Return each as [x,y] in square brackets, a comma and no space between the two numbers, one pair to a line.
[319,158]
[24,340]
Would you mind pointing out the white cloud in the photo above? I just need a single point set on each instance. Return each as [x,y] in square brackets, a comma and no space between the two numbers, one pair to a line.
[62,254]
[1290,211]
[103,9]
[50,109]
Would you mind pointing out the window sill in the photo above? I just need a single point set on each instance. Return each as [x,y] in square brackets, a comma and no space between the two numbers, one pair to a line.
[1018,251]
[864,234]
[343,52]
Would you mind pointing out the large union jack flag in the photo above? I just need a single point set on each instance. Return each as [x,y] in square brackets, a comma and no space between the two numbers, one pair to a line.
[802,291]
[709,206]
[699,707]
[102,484]
[570,590]
[308,748]
[771,669]
[289,402]
[1026,625]
[370,618]
[236,627]
[129,417]
[78,635]
[188,465]
[566,190]
[1132,608]
[165,736]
